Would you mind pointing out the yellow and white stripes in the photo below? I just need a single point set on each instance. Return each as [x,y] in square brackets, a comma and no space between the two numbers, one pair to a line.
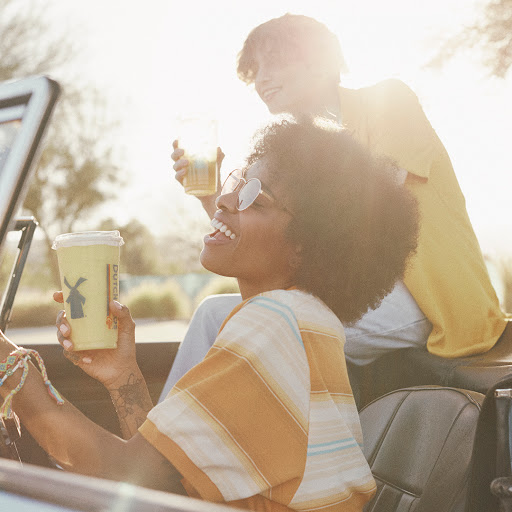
[268,418]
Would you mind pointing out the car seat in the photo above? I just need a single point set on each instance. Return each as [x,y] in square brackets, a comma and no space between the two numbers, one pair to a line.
[417,367]
[419,444]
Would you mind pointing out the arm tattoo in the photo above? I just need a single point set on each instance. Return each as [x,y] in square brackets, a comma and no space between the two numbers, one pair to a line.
[131,404]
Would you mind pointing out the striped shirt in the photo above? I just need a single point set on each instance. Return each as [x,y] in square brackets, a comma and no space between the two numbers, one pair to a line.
[267,420]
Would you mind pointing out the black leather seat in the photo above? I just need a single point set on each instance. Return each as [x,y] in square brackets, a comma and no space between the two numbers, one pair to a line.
[479,372]
[419,444]
[414,367]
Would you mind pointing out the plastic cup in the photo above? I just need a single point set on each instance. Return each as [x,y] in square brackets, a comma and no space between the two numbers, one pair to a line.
[89,274]
[198,138]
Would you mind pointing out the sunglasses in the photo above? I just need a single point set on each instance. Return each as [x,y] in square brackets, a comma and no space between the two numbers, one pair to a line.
[248,192]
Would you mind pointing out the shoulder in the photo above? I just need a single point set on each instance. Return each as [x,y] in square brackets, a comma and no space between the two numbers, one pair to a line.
[301,308]
[266,328]
[295,301]
[388,94]
[281,313]
[268,310]
[391,87]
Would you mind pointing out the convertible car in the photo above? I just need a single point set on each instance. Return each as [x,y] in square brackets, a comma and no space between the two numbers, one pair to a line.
[436,431]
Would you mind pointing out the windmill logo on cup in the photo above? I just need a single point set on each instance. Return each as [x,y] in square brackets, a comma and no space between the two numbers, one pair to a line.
[75,299]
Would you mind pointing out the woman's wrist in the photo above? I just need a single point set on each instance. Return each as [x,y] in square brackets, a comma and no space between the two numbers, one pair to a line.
[131,400]
[11,379]
[11,367]
[124,378]
[20,359]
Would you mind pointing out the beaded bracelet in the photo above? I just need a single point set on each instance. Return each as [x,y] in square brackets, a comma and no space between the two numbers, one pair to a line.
[22,355]
[9,362]
[10,370]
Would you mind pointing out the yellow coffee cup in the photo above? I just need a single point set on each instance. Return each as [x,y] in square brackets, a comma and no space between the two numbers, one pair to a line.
[89,274]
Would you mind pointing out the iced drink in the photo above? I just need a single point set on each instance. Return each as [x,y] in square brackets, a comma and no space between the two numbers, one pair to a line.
[89,274]
[201,177]
[198,138]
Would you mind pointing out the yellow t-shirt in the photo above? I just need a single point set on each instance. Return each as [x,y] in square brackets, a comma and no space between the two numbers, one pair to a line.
[267,421]
[447,276]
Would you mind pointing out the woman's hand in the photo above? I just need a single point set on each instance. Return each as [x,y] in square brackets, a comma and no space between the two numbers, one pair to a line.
[180,164]
[108,366]
[181,168]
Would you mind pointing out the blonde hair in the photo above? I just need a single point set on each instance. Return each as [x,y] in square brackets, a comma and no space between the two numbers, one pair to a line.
[292,37]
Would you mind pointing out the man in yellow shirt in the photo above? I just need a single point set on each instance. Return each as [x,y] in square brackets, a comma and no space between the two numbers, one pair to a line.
[448,277]
[446,300]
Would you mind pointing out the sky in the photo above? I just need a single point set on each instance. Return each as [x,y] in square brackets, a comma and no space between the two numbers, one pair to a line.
[160,59]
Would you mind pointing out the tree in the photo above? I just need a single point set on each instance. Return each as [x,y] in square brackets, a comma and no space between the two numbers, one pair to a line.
[145,254]
[141,256]
[492,35]
[76,171]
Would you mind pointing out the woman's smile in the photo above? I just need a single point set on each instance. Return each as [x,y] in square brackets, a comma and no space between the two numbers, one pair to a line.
[251,243]
[269,93]
[222,234]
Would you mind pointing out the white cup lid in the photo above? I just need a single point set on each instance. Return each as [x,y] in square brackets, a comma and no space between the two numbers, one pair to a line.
[84,238]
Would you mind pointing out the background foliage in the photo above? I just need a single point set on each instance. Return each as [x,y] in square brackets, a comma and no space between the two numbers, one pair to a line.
[491,35]
[76,172]
[79,170]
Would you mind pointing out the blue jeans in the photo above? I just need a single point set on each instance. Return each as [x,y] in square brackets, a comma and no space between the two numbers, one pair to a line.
[397,323]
